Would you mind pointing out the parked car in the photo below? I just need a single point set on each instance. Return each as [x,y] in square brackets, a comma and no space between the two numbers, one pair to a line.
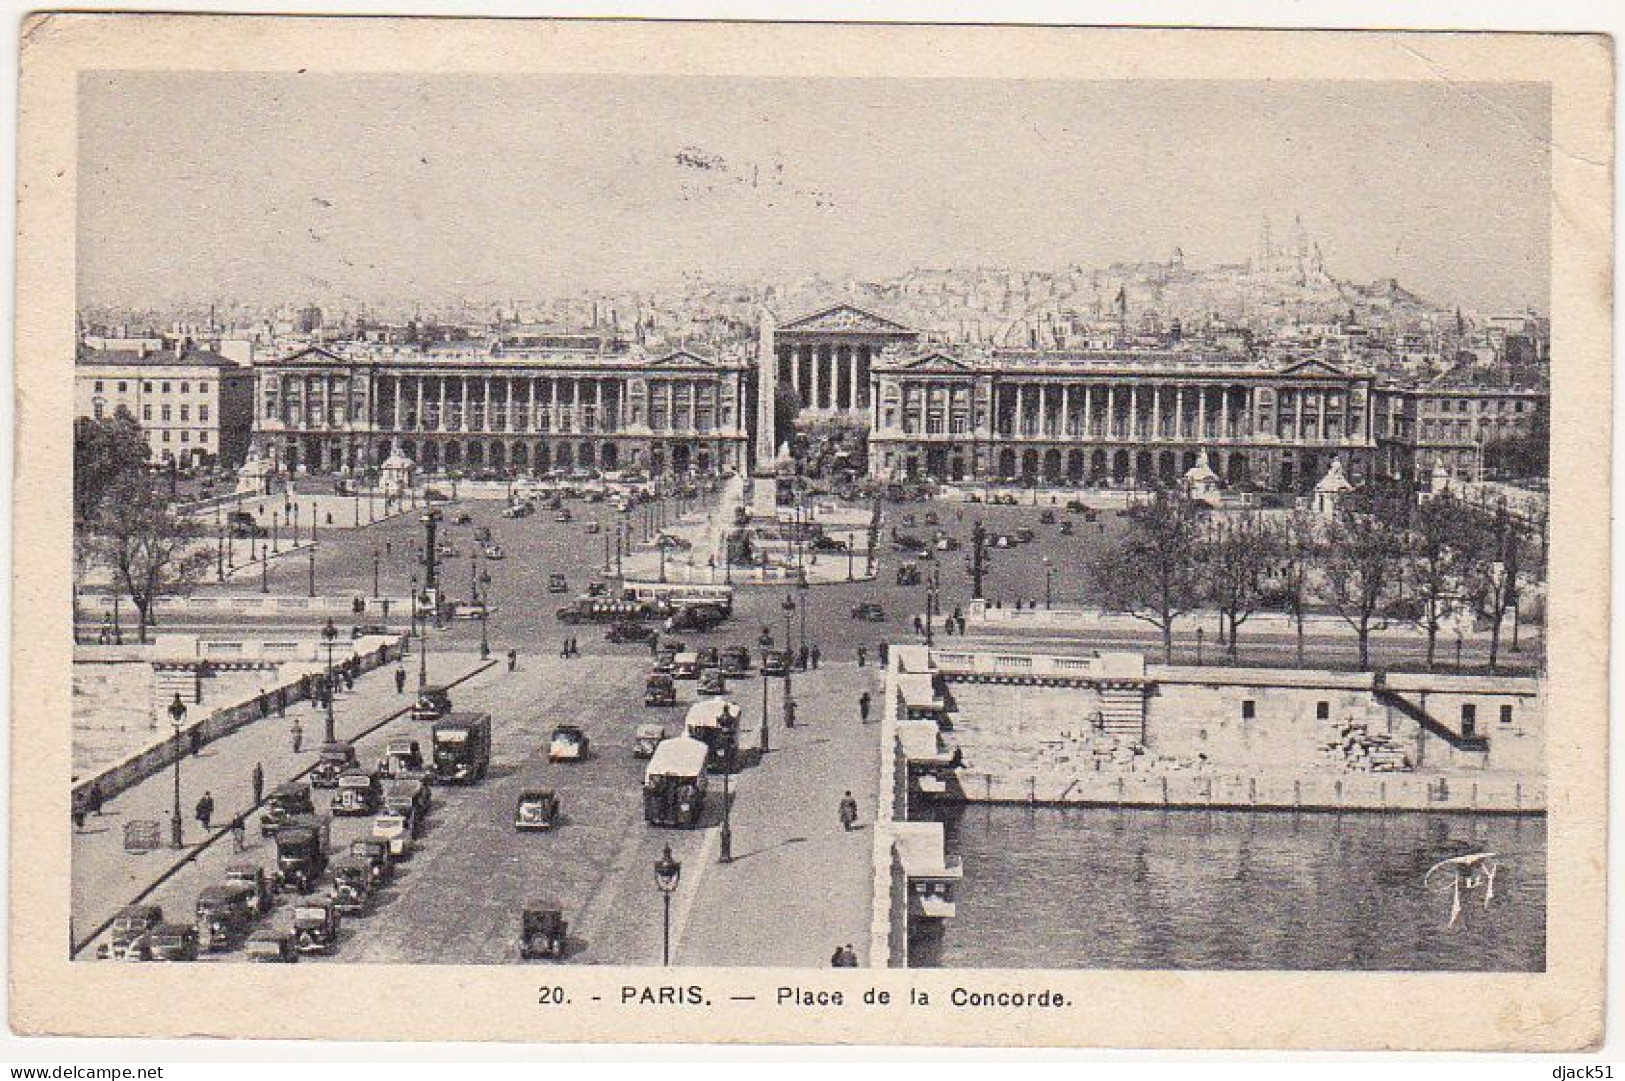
[646,738]
[270,946]
[332,759]
[536,809]
[495,551]
[463,518]
[776,662]
[627,631]
[174,942]
[433,702]
[711,682]
[569,744]
[869,612]
[735,662]
[659,690]
[395,830]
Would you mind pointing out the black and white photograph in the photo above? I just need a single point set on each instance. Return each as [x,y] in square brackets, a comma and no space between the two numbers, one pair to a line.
[718,520]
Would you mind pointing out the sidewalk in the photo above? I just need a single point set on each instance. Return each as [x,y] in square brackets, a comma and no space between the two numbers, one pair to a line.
[799,885]
[106,877]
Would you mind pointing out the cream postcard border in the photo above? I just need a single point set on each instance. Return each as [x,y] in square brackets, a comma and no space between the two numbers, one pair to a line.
[1558,1010]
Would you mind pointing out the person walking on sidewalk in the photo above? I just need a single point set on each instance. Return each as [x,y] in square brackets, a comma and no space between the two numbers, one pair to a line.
[815,656]
[863,656]
[849,812]
[205,809]
[863,708]
[94,799]
[400,680]
[239,832]
[298,734]
[513,659]
[257,780]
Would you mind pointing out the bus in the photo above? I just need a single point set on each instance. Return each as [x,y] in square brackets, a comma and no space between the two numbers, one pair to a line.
[674,595]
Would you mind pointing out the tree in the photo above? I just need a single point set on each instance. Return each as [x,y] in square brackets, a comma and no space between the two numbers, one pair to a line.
[106,450]
[1504,553]
[147,545]
[1237,554]
[1154,571]
[1298,552]
[1439,550]
[1361,560]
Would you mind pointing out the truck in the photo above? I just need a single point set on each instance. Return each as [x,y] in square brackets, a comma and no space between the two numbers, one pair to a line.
[674,783]
[461,747]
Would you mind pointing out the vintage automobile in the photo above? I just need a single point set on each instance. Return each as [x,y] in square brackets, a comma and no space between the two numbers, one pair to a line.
[315,926]
[471,610]
[270,946]
[408,796]
[494,551]
[735,662]
[358,794]
[543,931]
[222,916]
[352,885]
[1046,518]
[1067,529]
[908,575]
[434,702]
[594,527]
[776,662]
[869,612]
[301,853]
[376,853]
[130,938]
[332,759]
[645,738]
[395,830]
[1025,535]
[557,584]
[709,657]
[672,542]
[364,630]
[627,631]
[254,877]
[447,550]
[562,515]
[569,744]
[402,757]
[945,543]
[825,543]
[536,809]
[686,665]
[517,510]
[711,681]
[482,534]
[659,690]
[174,942]
[463,518]
[696,617]
[931,518]
[286,800]
[666,656]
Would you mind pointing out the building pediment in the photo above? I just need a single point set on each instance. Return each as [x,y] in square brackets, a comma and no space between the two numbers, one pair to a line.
[312,354]
[934,363]
[1313,369]
[846,318]
[682,359]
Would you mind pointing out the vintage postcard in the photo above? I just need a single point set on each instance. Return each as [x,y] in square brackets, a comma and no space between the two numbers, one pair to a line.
[721,532]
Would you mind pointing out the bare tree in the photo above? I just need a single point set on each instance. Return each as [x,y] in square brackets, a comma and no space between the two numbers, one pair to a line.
[1237,554]
[1502,556]
[1361,564]
[1298,551]
[1154,571]
[1440,548]
[149,548]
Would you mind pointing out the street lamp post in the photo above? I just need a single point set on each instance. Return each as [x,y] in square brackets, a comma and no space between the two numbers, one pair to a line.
[177,715]
[1198,647]
[766,642]
[485,614]
[375,572]
[311,591]
[668,872]
[727,854]
[265,567]
[330,635]
[1049,576]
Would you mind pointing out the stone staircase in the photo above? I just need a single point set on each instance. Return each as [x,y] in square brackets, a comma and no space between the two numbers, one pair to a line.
[1122,710]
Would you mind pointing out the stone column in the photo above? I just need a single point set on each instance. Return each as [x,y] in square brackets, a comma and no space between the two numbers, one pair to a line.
[1297,416]
[1224,413]
[1111,411]
[1201,413]
[1320,414]
[1179,412]
[1156,411]
[1088,425]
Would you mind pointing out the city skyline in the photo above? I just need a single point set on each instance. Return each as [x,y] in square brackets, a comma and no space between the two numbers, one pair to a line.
[271,185]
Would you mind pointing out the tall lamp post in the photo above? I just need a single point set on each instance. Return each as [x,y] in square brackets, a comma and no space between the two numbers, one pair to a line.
[727,854]
[485,615]
[330,636]
[766,642]
[375,572]
[801,587]
[177,716]
[311,591]
[1049,575]
[789,610]
[668,872]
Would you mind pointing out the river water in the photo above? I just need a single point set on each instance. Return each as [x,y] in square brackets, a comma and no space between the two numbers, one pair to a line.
[1134,888]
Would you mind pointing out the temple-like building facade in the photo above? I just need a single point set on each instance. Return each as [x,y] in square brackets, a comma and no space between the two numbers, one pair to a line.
[1132,417]
[575,402]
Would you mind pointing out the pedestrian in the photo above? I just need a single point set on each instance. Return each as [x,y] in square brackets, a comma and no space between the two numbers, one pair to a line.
[849,812]
[78,816]
[564,648]
[801,659]
[264,703]
[838,958]
[849,957]
[789,713]
[257,780]
[197,740]
[883,651]
[862,656]
[400,679]
[205,808]
[349,680]
[298,736]
[919,628]
[863,707]
[282,701]
[654,644]
[239,832]
[513,659]
[815,657]
[94,799]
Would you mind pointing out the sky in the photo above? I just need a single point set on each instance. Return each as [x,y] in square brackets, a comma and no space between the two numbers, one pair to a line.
[338,188]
